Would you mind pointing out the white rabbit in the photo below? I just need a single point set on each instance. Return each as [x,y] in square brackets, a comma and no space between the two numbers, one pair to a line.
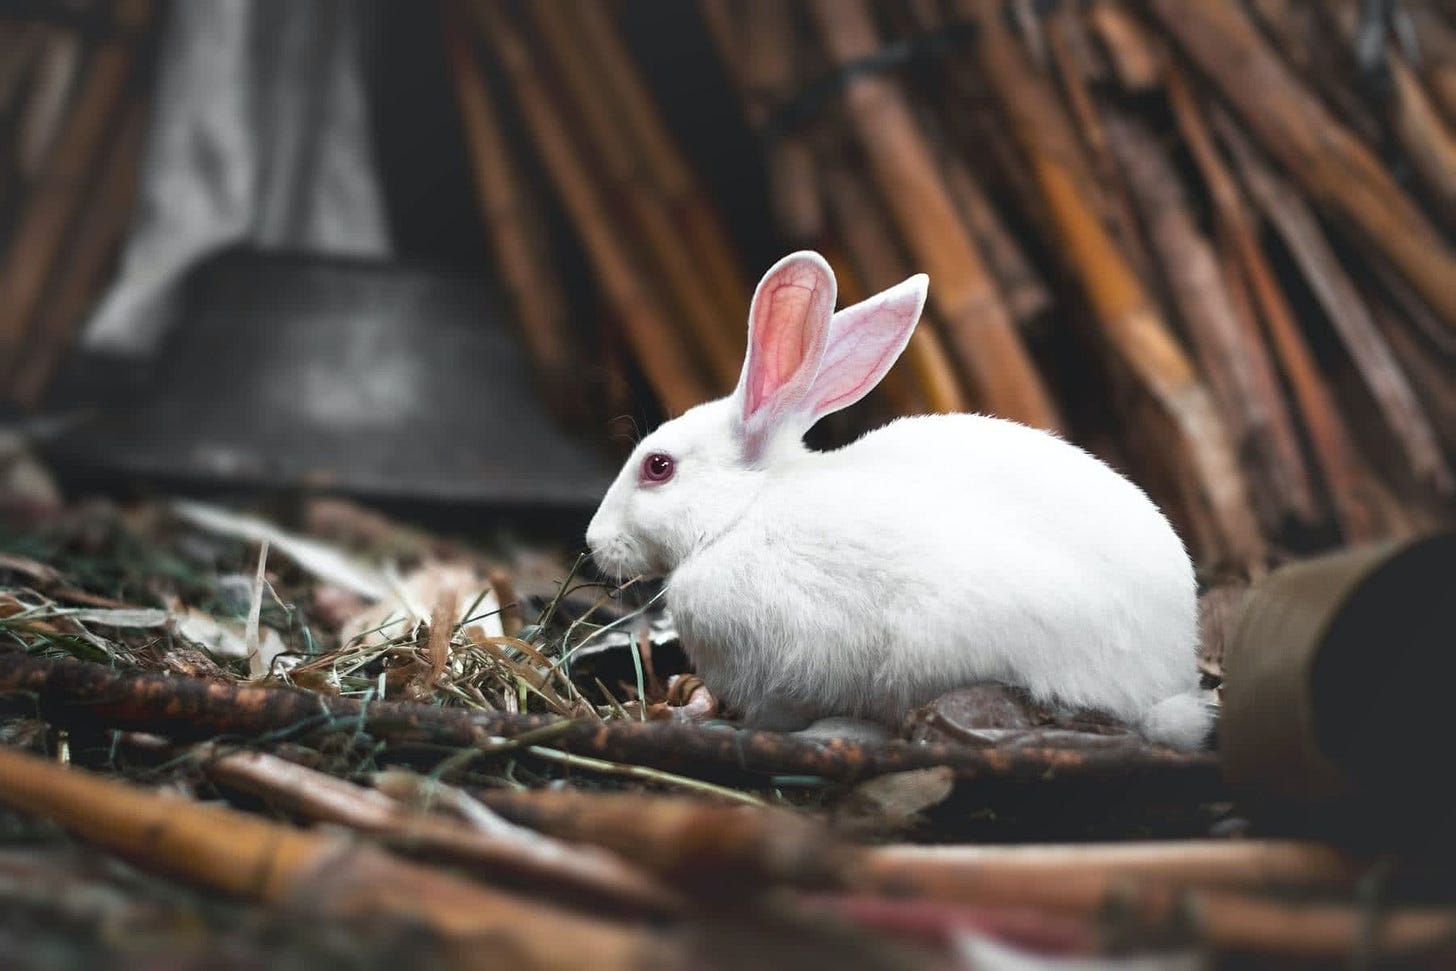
[936,552]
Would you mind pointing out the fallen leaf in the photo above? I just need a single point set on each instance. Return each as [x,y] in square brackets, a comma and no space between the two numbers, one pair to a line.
[320,559]
[411,600]
[128,617]
[898,798]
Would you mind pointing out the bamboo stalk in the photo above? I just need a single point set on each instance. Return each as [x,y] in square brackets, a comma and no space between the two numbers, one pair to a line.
[684,841]
[1114,199]
[55,198]
[869,240]
[1206,890]
[769,80]
[1027,296]
[1083,879]
[503,854]
[698,219]
[522,249]
[1136,61]
[85,261]
[1232,356]
[1428,370]
[601,129]
[980,326]
[1428,141]
[1329,162]
[1408,115]
[665,362]
[1380,374]
[1196,453]
[60,63]
[765,78]
[1330,439]
[241,855]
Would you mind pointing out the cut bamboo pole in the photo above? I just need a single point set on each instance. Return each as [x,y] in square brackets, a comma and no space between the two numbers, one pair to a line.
[1196,453]
[1115,195]
[503,854]
[87,258]
[55,197]
[1379,372]
[962,292]
[1330,440]
[659,351]
[60,63]
[667,167]
[1136,61]
[1082,879]
[869,240]
[1027,296]
[522,250]
[928,381]
[601,130]
[244,856]
[1219,893]
[1331,164]
[1232,357]
[1413,122]
[769,79]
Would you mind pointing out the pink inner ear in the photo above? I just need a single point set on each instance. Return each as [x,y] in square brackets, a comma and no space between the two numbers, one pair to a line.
[864,342]
[784,334]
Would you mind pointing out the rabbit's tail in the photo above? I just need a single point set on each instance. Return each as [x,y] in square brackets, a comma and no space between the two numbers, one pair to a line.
[1182,722]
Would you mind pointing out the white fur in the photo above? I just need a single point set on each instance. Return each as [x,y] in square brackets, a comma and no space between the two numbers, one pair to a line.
[935,552]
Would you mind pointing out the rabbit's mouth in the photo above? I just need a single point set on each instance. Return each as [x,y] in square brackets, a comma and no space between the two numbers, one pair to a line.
[618,558]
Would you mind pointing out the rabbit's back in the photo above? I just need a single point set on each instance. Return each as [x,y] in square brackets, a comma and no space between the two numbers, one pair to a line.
[938,551]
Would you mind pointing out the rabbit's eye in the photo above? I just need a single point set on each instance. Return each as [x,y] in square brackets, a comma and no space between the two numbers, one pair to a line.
[658,467]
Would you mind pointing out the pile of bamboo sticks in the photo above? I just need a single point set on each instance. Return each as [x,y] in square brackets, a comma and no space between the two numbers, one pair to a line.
[561,876]
[1199,238]
[1208,241]
[72,120]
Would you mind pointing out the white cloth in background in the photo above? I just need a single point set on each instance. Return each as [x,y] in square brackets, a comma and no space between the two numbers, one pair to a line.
[260,134]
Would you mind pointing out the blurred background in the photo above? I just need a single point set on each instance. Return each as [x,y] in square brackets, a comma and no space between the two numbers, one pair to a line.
[456,256]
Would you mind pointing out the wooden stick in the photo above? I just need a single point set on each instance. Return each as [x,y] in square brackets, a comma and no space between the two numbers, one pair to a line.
[870,241]
[1082,879]
[1329,438]
[1428,142]
[86,260]
[75,693]
[244,856]
[769,80]
[521,247]
[55,198]
[1027,296]
[1196,452]
[1327,160]
[861,222]
[1379,372]
[601,129]
[1410,118]
[1239,373]
[684,841]
[701,225]
[517,858]
[1428,369]
[665,362]
[1115,198]
[1137,62]
[60,63]
[962,291]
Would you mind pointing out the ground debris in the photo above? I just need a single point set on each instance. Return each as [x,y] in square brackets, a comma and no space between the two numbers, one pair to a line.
[554,745]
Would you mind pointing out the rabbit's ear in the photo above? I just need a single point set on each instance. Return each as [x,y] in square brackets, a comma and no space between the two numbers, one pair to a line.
[864,340]
[788,327]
